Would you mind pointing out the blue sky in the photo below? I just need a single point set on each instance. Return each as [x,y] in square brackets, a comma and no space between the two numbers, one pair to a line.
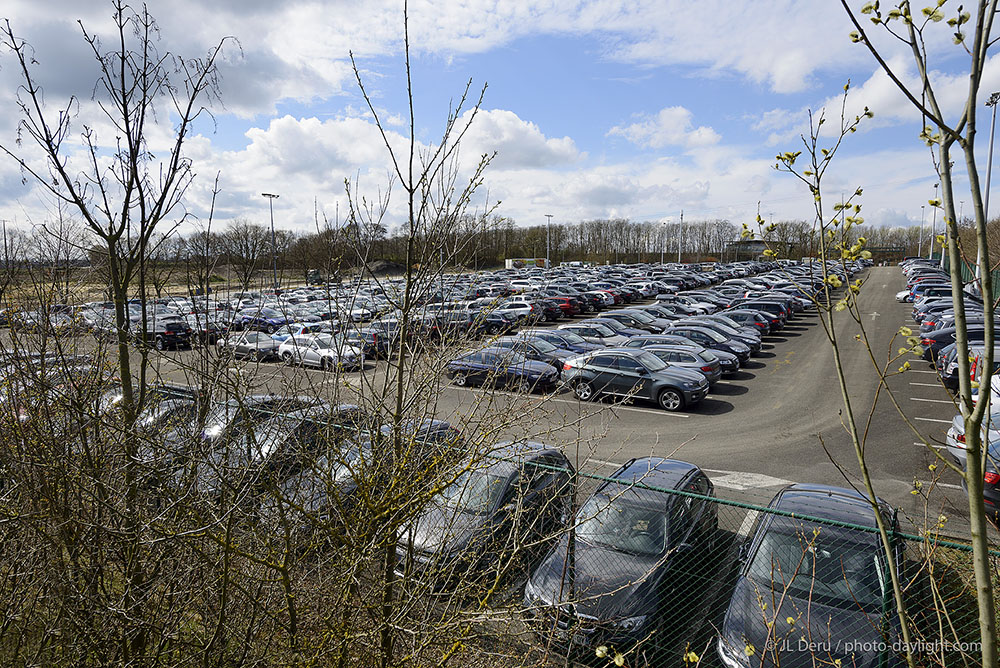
[596,109]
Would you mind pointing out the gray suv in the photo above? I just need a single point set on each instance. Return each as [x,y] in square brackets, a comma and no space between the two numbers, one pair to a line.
[627,372]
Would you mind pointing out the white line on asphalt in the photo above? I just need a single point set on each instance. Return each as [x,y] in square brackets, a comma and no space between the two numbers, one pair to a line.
[575,401]
[926,384]
[742,481]
[601,462]
[933,420]
[921,371]
[949,485]
[748,521]
[936,401]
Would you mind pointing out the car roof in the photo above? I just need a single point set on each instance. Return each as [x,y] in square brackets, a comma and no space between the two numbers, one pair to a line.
[837,504]
[652,472]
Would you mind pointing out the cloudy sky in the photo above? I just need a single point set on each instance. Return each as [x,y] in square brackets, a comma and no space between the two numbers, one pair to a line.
[594,108]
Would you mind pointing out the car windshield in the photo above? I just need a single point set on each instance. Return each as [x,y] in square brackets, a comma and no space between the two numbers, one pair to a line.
[651,361]
[707,356]
[644,318]
[616,523]
[572,338]
[542,345]
[613,327]
[329,340]
[821,563]
[604,329]
[253,337]
[269,313]
[715,336]
[474,491]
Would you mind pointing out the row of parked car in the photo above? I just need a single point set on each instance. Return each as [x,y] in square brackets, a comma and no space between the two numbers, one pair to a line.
[669,352]
[929,289]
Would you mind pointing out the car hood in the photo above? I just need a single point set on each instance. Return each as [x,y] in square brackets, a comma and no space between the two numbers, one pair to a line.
[674,372]
[843,636]
[441,529]
[627,590]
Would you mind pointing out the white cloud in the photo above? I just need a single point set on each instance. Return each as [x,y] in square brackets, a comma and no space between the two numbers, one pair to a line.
[518,143]
[671,126]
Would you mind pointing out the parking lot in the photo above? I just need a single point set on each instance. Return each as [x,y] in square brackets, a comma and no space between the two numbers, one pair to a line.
[777,420]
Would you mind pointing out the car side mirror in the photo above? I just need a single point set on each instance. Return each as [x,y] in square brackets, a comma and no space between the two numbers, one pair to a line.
[643,371]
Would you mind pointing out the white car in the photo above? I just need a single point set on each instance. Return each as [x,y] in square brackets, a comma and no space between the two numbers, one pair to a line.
[323,351]
[903,296]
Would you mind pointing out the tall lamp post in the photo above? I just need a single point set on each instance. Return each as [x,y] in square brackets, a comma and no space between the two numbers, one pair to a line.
[930,246]
[274,246]
[920,234]
[548,225]
[991,102]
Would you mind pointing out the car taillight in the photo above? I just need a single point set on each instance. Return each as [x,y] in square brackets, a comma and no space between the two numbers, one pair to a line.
[960,438]
[706,368]
[991,478]
[927,342]
[761,324]
[566,366]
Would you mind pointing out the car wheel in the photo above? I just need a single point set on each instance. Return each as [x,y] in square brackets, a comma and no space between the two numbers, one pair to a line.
[523,386]
[270,329]
[160,345]
[324,364]
[287,358]
[583,390]
[460,379]
[670,400]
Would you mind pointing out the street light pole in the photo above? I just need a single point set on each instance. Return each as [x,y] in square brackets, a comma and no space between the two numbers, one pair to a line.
[663,239]
[680,238]
[991,102]
[920,235]
[548,225]
[274,246]
[930,246]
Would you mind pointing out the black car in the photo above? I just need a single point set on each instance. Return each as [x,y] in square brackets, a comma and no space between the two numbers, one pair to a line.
[501,367]
[752,341]
[818,579]
[635,321]
[712,339]
[934,342]
[634,373]
[634,545]
[535,349]
[519,494]
[560,338]
[164,334]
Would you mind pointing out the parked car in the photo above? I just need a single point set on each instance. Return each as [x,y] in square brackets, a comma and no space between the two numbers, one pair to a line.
[595,332]
[563,339]
[250,345]
[323,351]
[635,545]
[535,349]
[692,358]
[712,339]
[822,581]
[501,367]
[520,494]
[634,373]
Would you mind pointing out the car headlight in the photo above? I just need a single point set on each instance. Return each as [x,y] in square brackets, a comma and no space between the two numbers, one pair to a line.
[731,656]
[532,596]
[631,623]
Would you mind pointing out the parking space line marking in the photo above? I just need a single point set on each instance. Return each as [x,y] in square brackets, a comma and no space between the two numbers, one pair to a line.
[936,401]
[949,485]
[748,521]
[601,462]
[933,420]
[576,401]
[926,384]
[921,371]
[742,481]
